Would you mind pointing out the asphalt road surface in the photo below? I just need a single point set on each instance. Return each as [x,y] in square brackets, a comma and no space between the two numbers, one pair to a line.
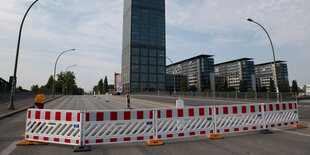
[281,141]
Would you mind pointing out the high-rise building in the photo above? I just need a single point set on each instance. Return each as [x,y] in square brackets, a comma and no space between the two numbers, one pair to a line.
[233,72]
[144,45]
[196,70]
[265,71]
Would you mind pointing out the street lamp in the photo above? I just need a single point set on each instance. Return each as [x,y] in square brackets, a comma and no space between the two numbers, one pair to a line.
[70,67]
[55,68]
[174,72]
[63,88]
[274,57]
[11,105]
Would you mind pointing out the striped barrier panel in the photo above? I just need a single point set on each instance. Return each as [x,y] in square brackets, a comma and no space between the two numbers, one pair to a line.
[103,127]
[81,128]
[280,114]
[238,118]
[54,126]
[184,122]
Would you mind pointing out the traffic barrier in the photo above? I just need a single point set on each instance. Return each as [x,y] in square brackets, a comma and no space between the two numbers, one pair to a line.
[280,114]
[84,128]
[184,122]
[238,118]
[54,126]
[102,127]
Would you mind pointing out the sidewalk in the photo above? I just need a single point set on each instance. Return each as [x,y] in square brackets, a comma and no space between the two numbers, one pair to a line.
[20,105]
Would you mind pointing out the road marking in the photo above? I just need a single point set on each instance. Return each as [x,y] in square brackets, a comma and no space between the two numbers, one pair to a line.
[9,149]
[296,133]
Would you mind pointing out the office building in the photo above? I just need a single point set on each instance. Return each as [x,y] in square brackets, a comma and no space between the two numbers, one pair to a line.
[196,70]
[265,71]
[233,72]
[144,45]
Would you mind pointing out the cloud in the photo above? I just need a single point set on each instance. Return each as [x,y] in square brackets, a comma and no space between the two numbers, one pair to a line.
[287,21]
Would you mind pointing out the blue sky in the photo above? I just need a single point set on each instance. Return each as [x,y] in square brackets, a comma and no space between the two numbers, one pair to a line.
[94,28]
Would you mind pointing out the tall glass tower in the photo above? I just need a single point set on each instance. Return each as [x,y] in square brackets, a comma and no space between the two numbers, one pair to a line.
[144,45]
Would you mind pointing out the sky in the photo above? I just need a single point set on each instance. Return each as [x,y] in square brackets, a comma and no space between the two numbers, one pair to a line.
[94,29]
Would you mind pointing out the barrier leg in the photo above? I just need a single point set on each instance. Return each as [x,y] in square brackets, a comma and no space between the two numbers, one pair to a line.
[82,148]
[155,142]
[26,142]
[299,126]
[214,136]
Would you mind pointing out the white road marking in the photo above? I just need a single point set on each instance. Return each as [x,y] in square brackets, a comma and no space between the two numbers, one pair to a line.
[296,133]
[9,149]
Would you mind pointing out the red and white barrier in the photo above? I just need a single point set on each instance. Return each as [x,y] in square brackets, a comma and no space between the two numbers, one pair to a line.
[184,122]
[280,114]
[103,127]
[74,127]
[238,118]
[54,126]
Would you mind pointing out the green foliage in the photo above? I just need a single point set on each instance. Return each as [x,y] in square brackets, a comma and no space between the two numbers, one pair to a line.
[111,86]
[193,88]
[251,90]
[100,86]
[241,86]
[294,86]
[183,87]
[262,89]
[35,88]
[105,85]
[19,88]
[272,87]
[219,86]
[207,90]
[284,86]
[95,89]
[65,84]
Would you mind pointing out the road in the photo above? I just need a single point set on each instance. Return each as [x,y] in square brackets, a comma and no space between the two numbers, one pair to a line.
[283,141]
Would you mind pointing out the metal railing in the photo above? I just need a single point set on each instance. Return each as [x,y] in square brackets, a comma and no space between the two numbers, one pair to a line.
[245,96]
[19,95]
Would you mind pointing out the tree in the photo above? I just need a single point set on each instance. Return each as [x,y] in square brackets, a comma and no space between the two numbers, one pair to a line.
[111,86]
[105,85]
[35,88]
[219,86]
[19,88]
[225,89]
[100,86]
[183,87]
[49,84]
[95,89]
[241,86]
[272,86]
[193,88]
[262,89]
[294,86]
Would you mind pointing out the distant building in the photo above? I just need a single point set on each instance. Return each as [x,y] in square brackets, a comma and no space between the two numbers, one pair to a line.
[265,71]
[232,72]
[118,83]
[195,70]
[4,85]
[307,89]
[144,45]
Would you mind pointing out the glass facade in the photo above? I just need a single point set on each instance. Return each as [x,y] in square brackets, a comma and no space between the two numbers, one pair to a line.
[264,72]
[144,45]
[196,70]
[234,71]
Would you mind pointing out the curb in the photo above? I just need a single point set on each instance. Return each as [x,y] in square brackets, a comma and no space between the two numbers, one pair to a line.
[24,109]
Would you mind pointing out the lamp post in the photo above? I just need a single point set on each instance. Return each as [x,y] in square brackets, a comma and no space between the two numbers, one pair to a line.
[274,57]
[69,67]
[55,68]
[63,88]
[11,105]
[174,72]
